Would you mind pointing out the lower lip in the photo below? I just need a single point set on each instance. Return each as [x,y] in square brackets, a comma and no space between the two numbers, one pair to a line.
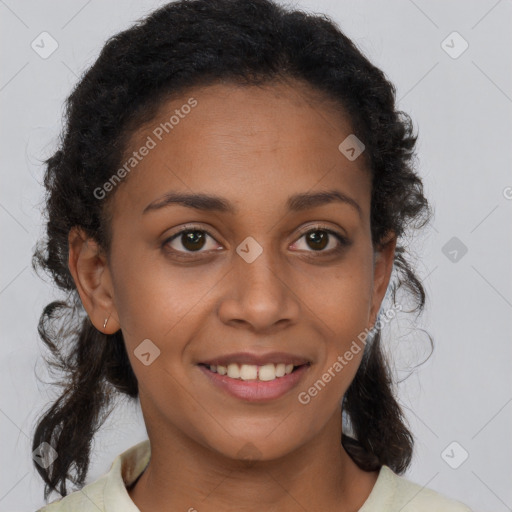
[256,390]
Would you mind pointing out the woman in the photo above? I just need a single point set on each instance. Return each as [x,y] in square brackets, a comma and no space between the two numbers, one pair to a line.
[226,207]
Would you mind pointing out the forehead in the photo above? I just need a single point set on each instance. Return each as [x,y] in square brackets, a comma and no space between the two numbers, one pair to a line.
[255,145]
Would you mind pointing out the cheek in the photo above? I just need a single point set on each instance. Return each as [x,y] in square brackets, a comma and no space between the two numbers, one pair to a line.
[342,297]
[152,296]
[342,304]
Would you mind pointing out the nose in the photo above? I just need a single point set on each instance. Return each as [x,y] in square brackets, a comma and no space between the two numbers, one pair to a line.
[259,295]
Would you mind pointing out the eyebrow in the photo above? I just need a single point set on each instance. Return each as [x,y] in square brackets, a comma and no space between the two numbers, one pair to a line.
[205,202]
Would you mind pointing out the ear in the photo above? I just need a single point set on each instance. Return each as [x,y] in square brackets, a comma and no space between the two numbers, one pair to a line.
[89,267]
[383,259]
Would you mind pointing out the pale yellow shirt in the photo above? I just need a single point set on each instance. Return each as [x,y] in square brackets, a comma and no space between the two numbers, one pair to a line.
[391,493]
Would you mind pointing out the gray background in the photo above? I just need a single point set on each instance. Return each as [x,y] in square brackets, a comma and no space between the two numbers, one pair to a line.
[462,108]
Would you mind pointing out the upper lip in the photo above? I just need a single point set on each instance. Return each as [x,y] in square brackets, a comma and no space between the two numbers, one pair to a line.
[257,359]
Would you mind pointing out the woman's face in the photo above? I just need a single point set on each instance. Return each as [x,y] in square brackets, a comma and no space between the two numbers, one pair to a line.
[247,285]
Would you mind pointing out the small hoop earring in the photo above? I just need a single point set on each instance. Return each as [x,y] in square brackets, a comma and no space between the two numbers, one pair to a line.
[105,322]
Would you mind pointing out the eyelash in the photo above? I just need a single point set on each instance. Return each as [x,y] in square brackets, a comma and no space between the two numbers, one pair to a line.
[343,241]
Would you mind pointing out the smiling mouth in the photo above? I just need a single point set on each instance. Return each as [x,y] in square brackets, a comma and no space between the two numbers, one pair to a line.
[251,372]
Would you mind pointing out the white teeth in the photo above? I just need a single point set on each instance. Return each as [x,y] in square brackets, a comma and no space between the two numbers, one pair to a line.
[233,371]
[265,373]
[248,372]
[280,370]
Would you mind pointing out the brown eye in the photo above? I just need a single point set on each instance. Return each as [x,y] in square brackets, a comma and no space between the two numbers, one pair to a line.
[188,241]
[316,240]
[193,240]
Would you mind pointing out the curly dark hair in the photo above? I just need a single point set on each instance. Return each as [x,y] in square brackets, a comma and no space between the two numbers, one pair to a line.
[194,43]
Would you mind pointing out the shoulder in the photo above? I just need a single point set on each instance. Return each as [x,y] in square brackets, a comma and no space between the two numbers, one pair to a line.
[414,497]
[89,498]
[109,491]
[393,492]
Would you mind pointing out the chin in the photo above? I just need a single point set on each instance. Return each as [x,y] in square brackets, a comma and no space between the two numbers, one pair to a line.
[256,448]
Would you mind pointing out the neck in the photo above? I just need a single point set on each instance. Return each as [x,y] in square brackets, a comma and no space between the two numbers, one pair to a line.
[183,475]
